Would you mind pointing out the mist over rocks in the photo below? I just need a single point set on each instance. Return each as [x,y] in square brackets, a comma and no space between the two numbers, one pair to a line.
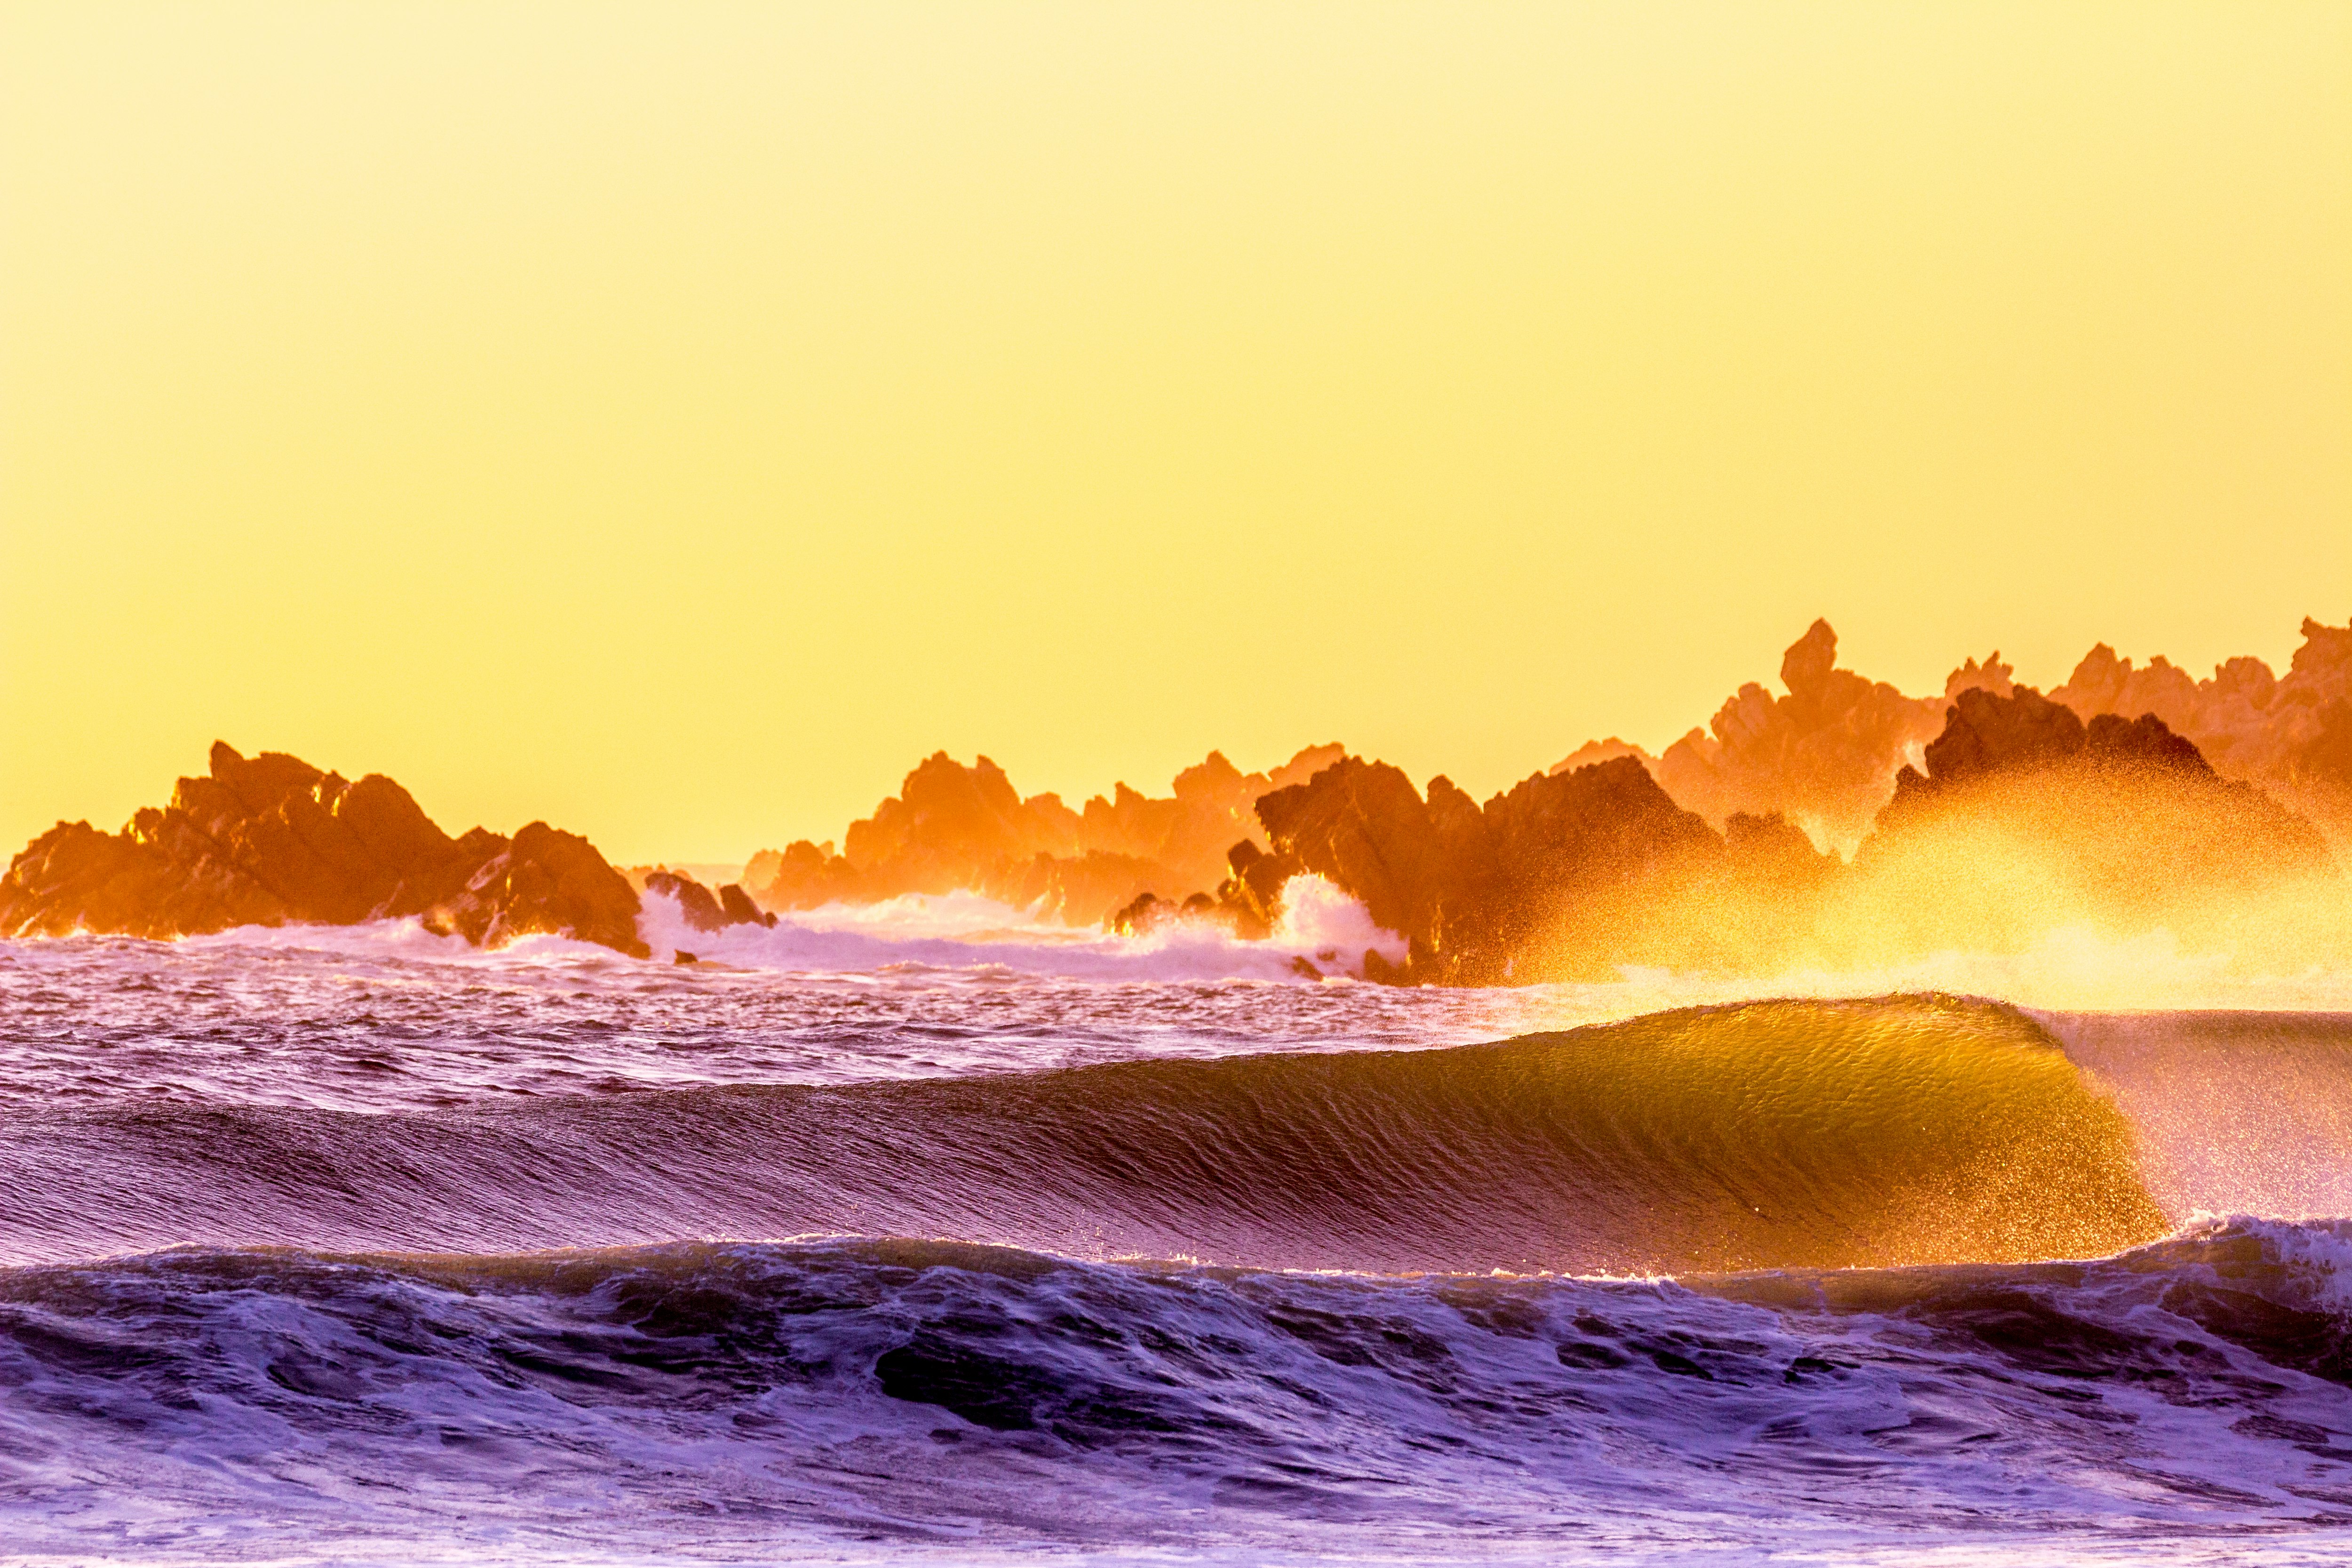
[2291,733]
[2030,759]
[703,909]
[1823,756]
[270,841]
[2027,819]
[1543,881]
[1979,821]
[2024,820]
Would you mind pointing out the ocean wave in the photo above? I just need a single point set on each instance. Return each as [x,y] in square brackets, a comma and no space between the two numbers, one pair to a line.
[1899,1130]
[978,1401]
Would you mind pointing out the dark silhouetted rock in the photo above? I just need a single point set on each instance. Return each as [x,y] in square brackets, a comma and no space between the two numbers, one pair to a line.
[2120,822]
[1824,756]
[702,909]
[270,841]
[1773,841]
[1988,736]
[737,906]
[2142,742]
[695,901]
[1984,733]
[953,827]
[1513,888]
[1251,897]
[2326,757]
[1141,914]
[1364,827]
[545,880]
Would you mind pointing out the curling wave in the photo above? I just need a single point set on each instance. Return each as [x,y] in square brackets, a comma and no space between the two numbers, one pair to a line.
[1767,1135]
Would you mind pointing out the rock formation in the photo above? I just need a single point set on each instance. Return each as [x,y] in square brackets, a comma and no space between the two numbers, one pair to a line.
[954,827]
[1824,756]
[1552,878]
[2026,820]
[704,911]
[2291,734]
[271,840]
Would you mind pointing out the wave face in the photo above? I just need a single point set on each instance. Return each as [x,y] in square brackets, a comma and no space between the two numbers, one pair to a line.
[1773,1135]
[380,1253]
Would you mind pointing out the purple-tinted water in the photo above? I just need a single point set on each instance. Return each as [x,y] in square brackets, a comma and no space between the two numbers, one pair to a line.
[341,1364]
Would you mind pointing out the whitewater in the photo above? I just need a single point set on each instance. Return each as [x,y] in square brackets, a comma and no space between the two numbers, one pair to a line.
[923,1232]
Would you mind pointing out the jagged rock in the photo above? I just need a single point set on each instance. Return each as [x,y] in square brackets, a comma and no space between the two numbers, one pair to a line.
[703,909]
[2247,722]
[1143,913]
[695,901]
[1773,841]
[2120,825]
[1987,735]
[544,880]
[949,824]
[2143,742]
[271,839]
[1607,751]
[1477,891]
[806,876]
[952,827]
[1824,756]
[1251,898]
[737,906]
[2326,758]
[1148,912]
[1364,827]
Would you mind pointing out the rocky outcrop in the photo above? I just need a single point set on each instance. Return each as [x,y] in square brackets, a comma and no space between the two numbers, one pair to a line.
[1545,879]
[1148,912]
[543,879]
[2026,820]
[1823,756]
[954,827]
[271,840]
[703,909]
[1826,755]
[2291,734]
[2025,734]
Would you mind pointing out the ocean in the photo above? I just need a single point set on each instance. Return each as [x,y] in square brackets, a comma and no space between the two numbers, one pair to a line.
[906,1237]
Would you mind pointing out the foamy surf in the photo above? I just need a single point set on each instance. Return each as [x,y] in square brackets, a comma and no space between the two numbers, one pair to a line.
[819,1401]
[1879,1279]
[1322,932]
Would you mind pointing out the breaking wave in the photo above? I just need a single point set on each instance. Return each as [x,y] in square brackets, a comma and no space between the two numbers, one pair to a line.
[1785,1134]
[355,1246]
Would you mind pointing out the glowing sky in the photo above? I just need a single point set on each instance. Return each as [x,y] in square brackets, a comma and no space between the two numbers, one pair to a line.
[674,420]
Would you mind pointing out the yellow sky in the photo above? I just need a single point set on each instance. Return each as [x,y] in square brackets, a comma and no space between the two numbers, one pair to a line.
[674,420]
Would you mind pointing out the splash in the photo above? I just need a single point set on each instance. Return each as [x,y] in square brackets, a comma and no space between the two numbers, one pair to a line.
[1324,933]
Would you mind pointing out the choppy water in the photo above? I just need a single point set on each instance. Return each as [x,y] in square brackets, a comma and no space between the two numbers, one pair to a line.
[357,1247]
